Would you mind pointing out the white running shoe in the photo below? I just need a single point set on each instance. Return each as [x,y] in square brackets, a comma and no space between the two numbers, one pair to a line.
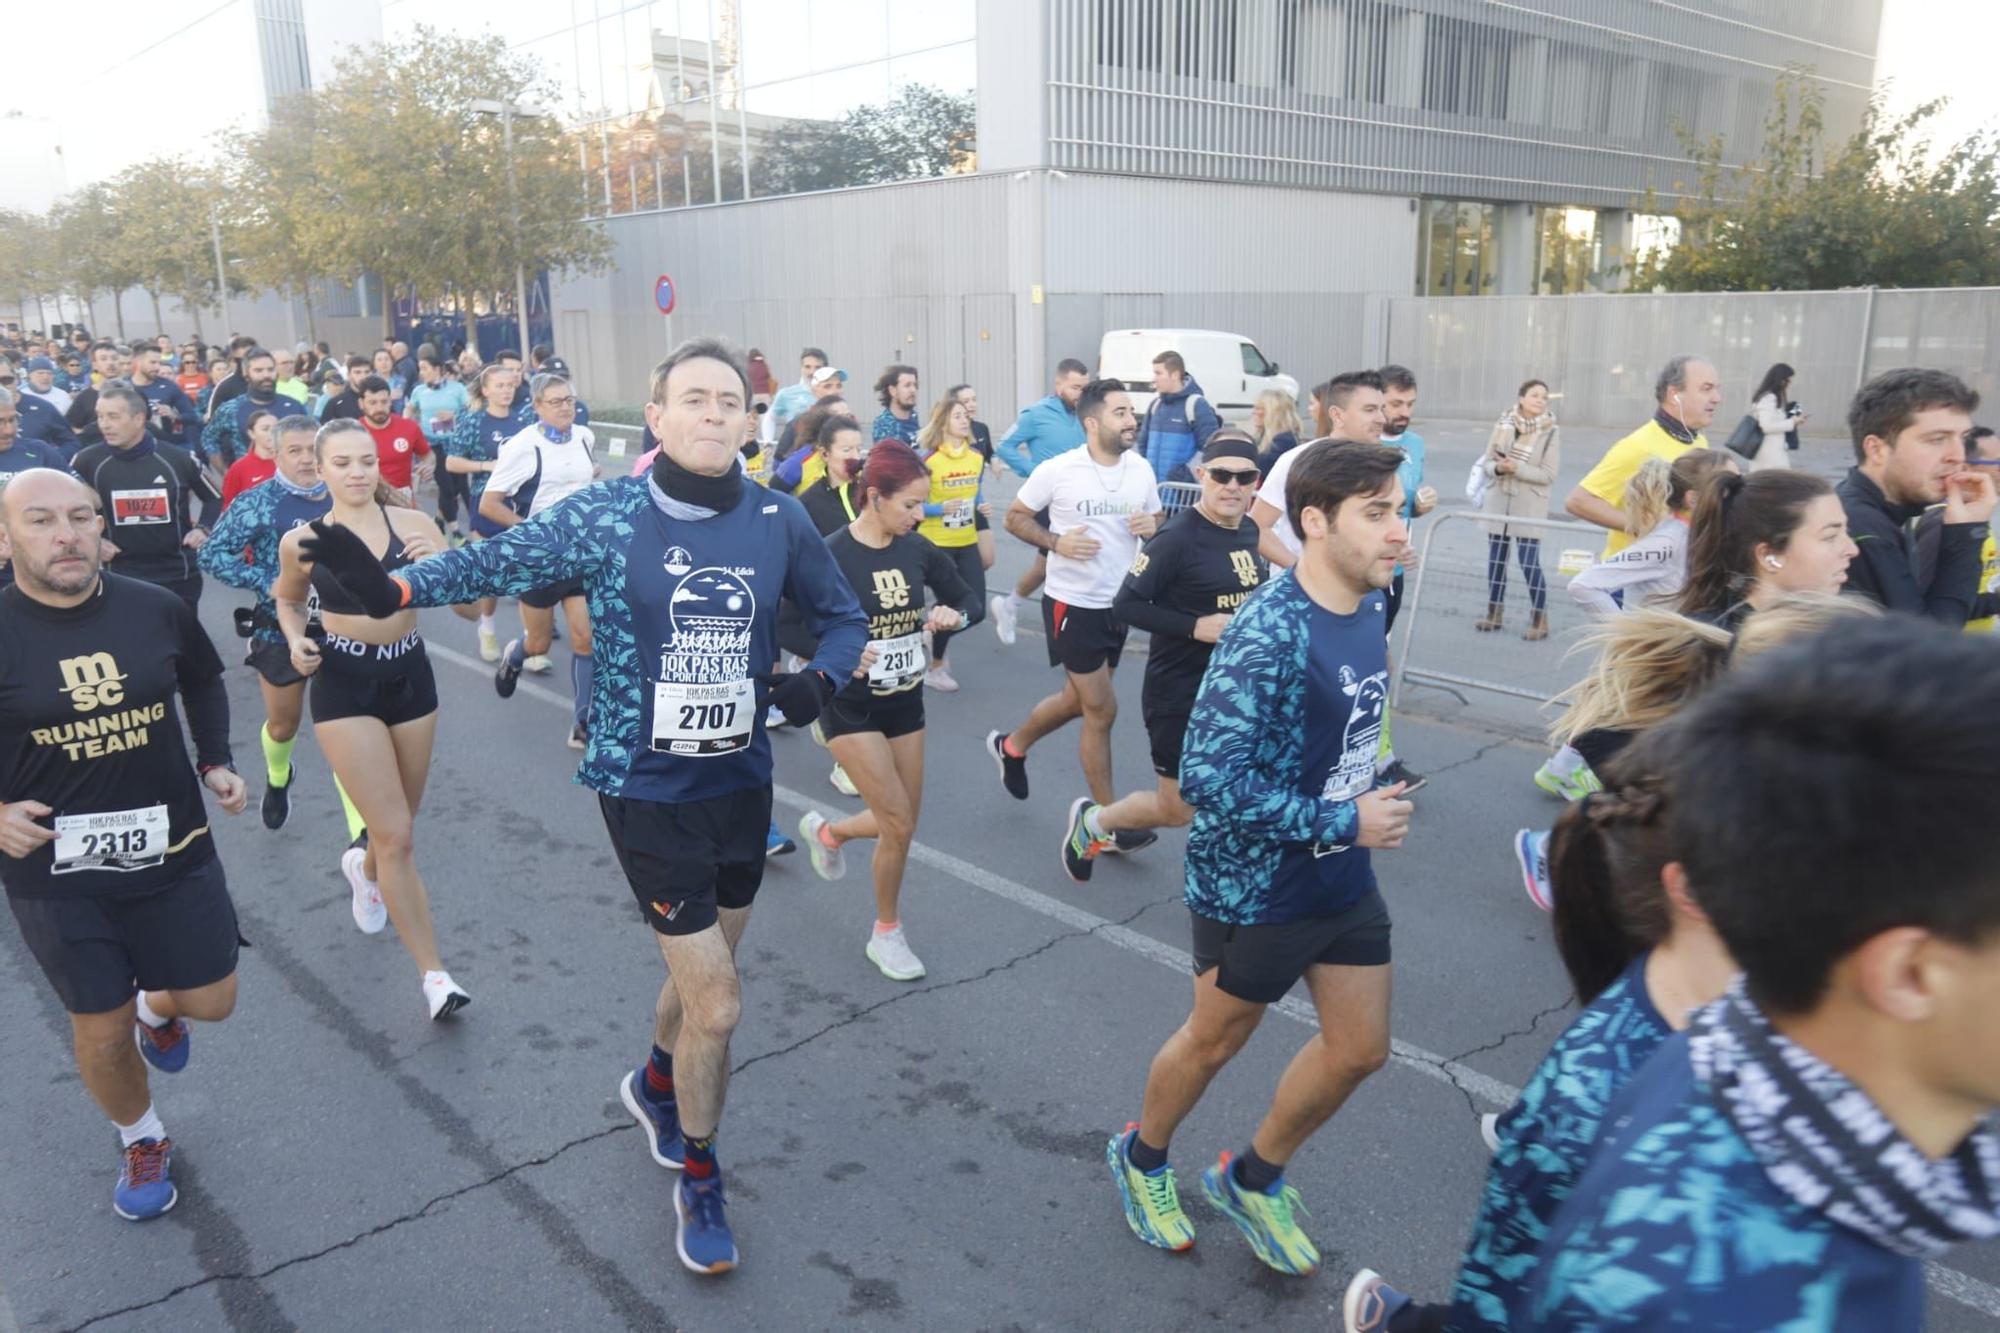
[941,680]
[842,783]
[370,912]
[829,862]
[539,664]
[889,951]
[818,734]
[1489,1131]
[1001,606]
[489,646]
[445,996]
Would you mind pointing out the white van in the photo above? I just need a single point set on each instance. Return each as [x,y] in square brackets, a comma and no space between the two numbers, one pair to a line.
[1227,366]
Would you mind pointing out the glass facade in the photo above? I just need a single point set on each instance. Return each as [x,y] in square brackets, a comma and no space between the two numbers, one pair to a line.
[704,101]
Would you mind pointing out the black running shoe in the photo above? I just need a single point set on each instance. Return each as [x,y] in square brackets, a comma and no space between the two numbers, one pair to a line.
[1013,772]
[508,674]
[1400,772]
[1131,840]
[277,807]
[1079,848]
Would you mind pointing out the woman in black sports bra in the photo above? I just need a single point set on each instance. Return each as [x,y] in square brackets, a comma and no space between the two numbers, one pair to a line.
[374,700]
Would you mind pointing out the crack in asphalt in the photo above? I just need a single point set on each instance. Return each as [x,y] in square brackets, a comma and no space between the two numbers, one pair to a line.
[1476,755]
[1444,1064]
[429,1205]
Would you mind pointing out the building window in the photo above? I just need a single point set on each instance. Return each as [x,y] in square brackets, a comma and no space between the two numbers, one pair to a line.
[1569,252]
[1457,251]
[1466,67]
[1194,38]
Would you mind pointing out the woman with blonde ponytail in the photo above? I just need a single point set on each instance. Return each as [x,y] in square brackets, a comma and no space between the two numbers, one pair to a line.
[1651,570]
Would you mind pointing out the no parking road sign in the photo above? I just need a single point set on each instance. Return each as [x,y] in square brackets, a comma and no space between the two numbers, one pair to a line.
[663,294]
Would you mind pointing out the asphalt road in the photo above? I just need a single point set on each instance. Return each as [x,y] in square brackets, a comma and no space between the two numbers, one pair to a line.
[917,1155]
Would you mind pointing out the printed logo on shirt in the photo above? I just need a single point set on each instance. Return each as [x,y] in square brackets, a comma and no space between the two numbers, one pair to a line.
[145,507]
[1354,772]
[712,611]
[1245,565]
[678,561]
[1140,563]
[402,445]
[92,682]
[891,588]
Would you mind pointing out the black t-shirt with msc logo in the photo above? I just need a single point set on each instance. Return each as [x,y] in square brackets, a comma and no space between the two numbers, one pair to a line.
[890,584]
[89,727]
[1193,567]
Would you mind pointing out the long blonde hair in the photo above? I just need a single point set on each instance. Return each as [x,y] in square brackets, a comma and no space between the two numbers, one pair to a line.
[1660,488]
[933,433]
[1281,414]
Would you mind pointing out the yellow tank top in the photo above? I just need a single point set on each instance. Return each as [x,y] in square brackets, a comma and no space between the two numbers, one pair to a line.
[955,472]
[1989,574]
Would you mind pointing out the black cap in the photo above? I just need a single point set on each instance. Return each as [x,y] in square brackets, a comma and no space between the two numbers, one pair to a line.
[1230,447]
[555,365]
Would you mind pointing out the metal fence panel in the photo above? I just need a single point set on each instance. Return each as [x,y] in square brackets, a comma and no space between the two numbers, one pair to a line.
[1176,496]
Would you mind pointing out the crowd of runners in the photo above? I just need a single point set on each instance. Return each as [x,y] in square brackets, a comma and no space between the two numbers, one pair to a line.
[1769,882]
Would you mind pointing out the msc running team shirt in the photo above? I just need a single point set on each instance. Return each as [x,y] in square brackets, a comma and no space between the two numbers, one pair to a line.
[89,727]
[1080,492]
[1193,567]
[890,584]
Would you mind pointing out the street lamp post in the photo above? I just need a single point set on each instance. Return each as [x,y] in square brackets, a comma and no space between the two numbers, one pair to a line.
[507,111]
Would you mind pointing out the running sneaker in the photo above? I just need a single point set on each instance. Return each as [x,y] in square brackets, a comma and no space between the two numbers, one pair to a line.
[776,843]
[457,540]
[774,718]
[1152,1198]
[941,680]
[1371,1303]
[1265,1219]
[1013,772]
[1127,840]
[579,739]
[489,646]
[445,996]
[890,952]
[539,664]
[370,912]
[842,783]
[661,1122]
[828,862]
[507,676]
[165,1048]
[701,1230]
[818,733]
[1080,847]
[1574,786]
[277,807]
[1004,616]
[1489,1131]
[1531,853]
[145,1190]
[1398,771]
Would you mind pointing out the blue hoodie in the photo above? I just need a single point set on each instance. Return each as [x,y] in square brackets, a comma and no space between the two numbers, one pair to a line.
[1176,427]
[1042,431]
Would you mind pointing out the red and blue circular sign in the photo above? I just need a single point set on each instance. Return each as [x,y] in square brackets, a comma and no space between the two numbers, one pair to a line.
[663,294]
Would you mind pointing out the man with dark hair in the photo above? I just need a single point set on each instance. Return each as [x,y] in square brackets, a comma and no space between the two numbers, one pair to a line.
[1909,428]
[399,442]
[896,390]
[1399,405]
[225,438]
[175,420]
[158,503]
[1827,1125]
[1178,423]
[1279,765]
[1043,430]
[682,568]
[1686,393]
[1353,405]
[82,414]
[345,405]
[235,383]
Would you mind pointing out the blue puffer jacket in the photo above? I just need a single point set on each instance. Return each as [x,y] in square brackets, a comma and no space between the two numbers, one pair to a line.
[1176,427]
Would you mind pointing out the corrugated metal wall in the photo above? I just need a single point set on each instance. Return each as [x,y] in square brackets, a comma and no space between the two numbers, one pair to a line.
[1602,353]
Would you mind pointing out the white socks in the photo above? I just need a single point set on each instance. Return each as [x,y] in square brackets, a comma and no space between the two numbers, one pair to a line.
[1564,762]
[147,1014]
[486,625]
[147,1126]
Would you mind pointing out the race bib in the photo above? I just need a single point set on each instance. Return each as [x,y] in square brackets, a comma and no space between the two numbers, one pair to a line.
[958,513]
[897,661]
[111,840]
[140,507]
[703,720]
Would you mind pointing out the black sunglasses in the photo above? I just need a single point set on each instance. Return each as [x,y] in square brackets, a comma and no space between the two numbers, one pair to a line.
[1224,476]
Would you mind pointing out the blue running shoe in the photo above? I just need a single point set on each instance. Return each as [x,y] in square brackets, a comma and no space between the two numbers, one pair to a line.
[1531,853]
[701,1232]
[166,1049]
[144,1188]
[776,843]
[662,1123]
[1266,1220]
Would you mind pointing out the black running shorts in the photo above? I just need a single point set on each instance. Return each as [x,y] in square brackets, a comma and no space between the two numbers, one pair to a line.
[1261,963]
[95,950]
[391,683]
[273,661]
[1164,733]
[553,596]
[685,861]
[891,714]
[1081,638]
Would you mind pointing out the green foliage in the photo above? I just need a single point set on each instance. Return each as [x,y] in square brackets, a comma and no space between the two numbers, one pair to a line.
[1885,208]
[919,133]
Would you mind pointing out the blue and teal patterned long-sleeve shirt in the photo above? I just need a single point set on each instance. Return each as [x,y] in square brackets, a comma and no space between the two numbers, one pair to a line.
[1262,823]
[224,436]
[1675,1224]
[477,437]
[242,550]
[1546,1139]
[683,618]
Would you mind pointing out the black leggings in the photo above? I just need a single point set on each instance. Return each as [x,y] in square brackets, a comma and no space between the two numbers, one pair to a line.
[452,489]
[966,558]
[1529,550]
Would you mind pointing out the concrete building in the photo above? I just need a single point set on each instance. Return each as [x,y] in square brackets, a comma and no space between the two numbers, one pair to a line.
[1279,168]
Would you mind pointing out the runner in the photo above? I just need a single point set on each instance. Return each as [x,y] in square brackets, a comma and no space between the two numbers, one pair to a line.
[174,418]
[258,464]
[399,442]
[1279,764]
[18,455]
[226,437]
[486,424]
[1043,430]
[1101,501]
[832,504]
[875,724]
[374,700]
[546,463]
[435,405]
[110,868]
[1182,590]
[158,503]
[683,570]
[952,516]
[896,390]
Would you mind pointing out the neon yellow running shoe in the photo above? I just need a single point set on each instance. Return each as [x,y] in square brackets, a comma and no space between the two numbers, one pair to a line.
[1264,1219]
[1152,1202]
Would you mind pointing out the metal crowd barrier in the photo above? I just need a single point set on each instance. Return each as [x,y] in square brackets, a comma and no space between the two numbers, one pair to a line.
[1176,496]
[1448,593]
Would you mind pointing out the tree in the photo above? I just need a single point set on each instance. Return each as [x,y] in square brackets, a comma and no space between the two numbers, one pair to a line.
[919,133]
[1885,208]
[88,252]
[164,212]
[26,268]
[278,213]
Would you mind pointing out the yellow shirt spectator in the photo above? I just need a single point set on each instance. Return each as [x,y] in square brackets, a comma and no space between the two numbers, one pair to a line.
[953,506]
[1608,479]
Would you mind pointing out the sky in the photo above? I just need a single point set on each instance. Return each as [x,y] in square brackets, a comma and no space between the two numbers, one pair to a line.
[143,50]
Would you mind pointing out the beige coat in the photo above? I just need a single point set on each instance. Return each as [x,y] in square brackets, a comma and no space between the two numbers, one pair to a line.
[1524,493]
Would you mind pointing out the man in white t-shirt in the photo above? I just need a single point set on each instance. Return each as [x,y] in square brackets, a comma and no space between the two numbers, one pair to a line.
[1102,503]
[544,464]
[1353,404]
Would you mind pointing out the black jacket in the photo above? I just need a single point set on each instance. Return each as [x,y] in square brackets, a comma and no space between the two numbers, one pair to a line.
[148,495]
[1888,568]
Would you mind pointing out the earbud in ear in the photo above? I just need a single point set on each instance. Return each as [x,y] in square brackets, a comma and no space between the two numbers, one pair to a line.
[1774,562]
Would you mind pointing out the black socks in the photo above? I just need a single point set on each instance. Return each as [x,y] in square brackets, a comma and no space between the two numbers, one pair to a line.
[1255,1174]
[1142,1155]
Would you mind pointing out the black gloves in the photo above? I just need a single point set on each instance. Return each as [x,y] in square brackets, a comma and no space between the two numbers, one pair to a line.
[799,695]
[353,566]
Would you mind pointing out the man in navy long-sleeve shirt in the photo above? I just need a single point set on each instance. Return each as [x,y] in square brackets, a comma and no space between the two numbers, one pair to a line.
[174,417]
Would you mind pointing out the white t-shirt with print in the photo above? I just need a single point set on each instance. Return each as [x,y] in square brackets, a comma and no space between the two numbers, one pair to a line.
[1272,493]
[1080,492]
[565,468]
